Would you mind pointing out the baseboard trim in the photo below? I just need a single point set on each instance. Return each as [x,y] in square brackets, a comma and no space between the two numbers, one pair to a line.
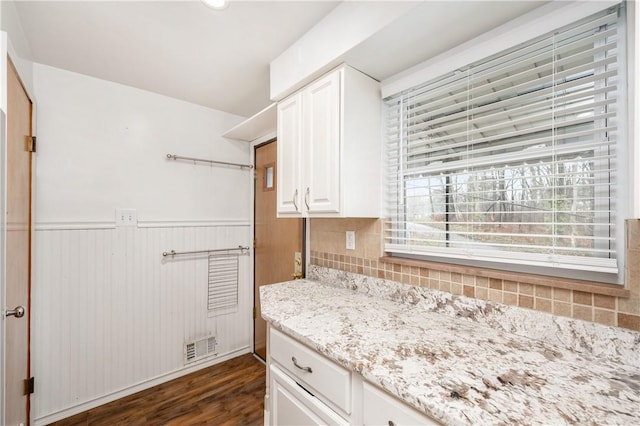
[130,390]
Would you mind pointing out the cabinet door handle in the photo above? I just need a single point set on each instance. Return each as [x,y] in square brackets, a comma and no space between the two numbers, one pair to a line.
[306,198]
[295,197]
[295,362]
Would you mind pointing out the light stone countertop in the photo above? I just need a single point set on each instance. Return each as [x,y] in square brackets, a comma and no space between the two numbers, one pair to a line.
[461,360]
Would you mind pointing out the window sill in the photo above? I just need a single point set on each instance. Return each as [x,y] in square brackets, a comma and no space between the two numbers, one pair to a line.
[541,280]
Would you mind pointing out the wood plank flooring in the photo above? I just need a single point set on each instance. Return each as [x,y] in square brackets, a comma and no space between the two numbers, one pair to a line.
[229,393]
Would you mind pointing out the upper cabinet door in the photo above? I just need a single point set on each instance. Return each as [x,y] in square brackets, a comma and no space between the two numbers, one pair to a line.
[322,149]
[330,148]
[289,167]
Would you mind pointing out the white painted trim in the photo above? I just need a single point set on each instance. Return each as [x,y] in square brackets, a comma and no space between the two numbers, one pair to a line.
[146,384]
[61,226]
[3,198]
[4,46]
[307,244]
[633,87]
[533,24]
[91,225]
[252,231]
[263,139]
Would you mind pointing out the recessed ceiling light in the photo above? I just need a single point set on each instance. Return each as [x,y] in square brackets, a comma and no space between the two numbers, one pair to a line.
[216,4]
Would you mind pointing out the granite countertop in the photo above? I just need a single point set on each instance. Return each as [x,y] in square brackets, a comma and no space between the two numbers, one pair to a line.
[460,360]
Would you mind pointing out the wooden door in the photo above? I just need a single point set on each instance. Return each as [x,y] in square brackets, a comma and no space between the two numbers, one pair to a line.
[321,127]
[278,241]
[18,240]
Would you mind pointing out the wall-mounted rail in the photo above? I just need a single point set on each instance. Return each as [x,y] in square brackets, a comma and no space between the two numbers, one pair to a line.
[200,160]
[241,249]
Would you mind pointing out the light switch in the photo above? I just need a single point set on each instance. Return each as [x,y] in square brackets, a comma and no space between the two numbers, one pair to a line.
[126,217]
[351,240]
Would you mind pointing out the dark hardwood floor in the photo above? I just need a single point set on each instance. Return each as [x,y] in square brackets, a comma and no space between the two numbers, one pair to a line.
[229,393]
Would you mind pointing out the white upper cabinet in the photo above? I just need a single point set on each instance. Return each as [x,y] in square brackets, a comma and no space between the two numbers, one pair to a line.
[289,156]
[321,145]
[330,147]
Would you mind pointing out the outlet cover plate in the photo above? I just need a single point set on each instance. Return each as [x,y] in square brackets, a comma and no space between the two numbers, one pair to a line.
[351,240]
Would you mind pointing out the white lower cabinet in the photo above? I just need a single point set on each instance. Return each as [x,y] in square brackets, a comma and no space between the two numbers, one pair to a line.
[306,388]
[318,374]
[380,408]
[293,405]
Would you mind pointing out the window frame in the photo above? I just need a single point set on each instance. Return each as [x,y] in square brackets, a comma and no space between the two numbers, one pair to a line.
[623,191]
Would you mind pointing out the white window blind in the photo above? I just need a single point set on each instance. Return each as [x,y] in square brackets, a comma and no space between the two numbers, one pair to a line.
[513,159]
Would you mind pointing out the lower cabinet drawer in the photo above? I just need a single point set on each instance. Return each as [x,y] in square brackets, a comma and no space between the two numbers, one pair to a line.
[380,408]
[293,405]
[318,374]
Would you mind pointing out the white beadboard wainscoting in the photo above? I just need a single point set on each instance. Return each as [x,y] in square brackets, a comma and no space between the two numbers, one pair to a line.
[111,315]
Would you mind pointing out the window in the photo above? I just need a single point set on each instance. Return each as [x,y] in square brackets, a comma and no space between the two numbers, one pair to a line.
[515,159]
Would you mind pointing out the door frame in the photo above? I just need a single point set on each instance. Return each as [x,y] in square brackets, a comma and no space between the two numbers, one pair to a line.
[24,70]
[263,140]
[252,229]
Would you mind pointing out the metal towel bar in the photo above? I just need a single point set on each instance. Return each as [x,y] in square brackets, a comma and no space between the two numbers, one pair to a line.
[178,157]
[242,249]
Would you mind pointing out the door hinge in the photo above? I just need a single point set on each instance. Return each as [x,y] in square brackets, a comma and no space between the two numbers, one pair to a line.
[254,243]
[254,312]
[31,144]
[29,386]
[255,175]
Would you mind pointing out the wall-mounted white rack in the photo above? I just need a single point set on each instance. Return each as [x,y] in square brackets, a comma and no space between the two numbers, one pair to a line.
[259,125]
[200,160]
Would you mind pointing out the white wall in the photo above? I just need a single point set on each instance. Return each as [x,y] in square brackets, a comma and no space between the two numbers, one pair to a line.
[103,145]
[111,314]
[18,46]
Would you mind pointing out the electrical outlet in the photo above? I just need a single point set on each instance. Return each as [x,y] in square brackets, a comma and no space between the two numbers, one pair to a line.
[297,266]
[351,240]
[126,217]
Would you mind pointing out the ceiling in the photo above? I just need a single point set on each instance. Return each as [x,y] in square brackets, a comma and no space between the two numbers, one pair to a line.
[220,59]
[182,49]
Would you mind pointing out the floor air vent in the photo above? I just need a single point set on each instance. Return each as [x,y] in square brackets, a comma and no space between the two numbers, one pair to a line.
[194,351]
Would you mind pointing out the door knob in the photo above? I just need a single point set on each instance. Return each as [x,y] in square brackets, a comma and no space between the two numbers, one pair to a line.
[18,312]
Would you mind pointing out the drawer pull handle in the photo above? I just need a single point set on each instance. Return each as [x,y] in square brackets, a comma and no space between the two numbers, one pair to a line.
[295,362]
